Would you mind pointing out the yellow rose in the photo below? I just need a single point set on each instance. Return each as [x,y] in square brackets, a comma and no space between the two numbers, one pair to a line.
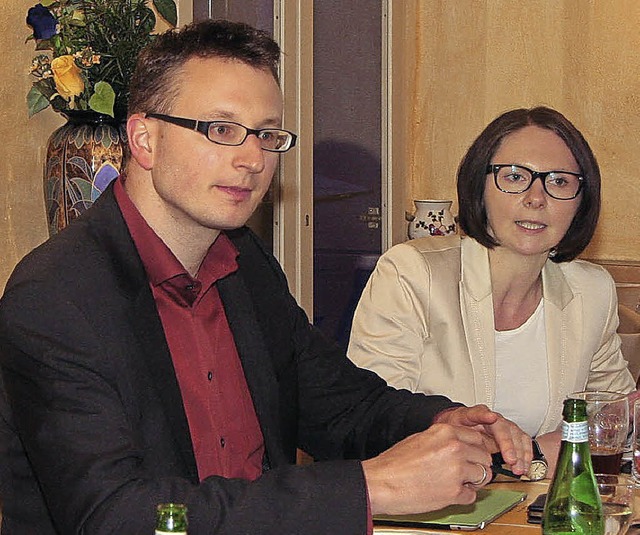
[67,76]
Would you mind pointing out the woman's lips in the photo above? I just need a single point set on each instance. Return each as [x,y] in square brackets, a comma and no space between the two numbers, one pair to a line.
[531,225]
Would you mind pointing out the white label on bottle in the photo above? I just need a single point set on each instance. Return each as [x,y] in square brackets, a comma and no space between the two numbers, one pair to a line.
[158,532]
[575,432]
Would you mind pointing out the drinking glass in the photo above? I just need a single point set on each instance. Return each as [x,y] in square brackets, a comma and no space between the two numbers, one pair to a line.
[635,443]
[616,493]
[608,415]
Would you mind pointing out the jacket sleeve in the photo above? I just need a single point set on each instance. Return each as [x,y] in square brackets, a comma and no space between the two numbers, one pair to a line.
[391,322]
[609,370]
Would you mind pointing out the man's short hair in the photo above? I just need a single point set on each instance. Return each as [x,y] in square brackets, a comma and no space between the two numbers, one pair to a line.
[156,79]
[472,177]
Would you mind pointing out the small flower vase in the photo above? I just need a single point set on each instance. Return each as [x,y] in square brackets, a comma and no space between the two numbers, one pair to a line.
[431,218]
[83,156]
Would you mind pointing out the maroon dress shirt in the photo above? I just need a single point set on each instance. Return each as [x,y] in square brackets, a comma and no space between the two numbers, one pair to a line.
[226,436]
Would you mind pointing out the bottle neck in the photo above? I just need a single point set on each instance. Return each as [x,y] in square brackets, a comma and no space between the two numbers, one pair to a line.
[575,432]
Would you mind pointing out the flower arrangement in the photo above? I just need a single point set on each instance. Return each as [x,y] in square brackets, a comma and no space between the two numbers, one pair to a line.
[93,47]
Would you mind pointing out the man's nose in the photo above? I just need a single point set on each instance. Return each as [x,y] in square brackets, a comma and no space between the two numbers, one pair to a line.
[250,154]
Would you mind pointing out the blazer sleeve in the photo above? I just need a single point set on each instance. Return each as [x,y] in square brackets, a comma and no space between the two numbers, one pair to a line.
[391,322]
[609,370]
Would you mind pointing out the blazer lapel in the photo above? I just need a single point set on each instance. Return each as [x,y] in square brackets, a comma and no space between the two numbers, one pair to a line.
[477,317]
[148,328]
[563,318]
[107,222]
[256,362]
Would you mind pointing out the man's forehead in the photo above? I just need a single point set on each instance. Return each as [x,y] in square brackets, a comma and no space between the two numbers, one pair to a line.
[221,89]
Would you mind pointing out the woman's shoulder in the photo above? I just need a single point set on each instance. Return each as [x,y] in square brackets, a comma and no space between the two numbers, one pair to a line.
[415,257]
[428,246]
[584,274]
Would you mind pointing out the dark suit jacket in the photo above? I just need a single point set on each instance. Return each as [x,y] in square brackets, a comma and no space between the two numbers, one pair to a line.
[94,433]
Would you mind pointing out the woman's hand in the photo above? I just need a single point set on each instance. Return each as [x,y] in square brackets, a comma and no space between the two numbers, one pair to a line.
[550,445]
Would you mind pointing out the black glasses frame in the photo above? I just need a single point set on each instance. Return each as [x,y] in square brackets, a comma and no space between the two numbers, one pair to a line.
[203,128]
[542,175]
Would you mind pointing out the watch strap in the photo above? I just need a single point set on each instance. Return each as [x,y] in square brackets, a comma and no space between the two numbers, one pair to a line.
[537,452]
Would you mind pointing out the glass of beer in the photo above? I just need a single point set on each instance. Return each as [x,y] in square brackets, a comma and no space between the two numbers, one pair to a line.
[608,415]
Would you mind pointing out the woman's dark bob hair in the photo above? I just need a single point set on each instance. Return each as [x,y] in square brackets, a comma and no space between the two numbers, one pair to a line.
[472,177]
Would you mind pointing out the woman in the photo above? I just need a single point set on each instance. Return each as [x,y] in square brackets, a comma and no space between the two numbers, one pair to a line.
[504,316]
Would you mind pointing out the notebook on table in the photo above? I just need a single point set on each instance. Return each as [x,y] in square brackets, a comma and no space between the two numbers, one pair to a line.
[490,504]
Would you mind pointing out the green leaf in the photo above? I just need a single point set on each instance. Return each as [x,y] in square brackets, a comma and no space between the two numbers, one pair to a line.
[47,3]
[103,98]
[36,101]
[167,10]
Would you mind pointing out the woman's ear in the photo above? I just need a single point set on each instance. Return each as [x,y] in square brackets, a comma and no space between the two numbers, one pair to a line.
[140,140]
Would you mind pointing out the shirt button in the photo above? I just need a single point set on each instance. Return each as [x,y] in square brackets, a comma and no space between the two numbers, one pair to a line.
[210,376]
[222,442]
[189,287]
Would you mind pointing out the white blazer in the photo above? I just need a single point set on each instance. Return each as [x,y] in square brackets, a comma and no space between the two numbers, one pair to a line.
[425,323]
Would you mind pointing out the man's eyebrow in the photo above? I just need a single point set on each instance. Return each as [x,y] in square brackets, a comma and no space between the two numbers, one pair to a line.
[223,115]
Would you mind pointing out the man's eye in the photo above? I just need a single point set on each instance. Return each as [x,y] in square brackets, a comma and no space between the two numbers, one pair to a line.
[266,135]
[515,177]
[222,130]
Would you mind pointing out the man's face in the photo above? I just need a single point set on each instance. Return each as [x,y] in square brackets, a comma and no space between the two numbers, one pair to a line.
[199,184]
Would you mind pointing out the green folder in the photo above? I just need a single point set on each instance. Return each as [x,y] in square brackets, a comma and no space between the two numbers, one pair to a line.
[490,504]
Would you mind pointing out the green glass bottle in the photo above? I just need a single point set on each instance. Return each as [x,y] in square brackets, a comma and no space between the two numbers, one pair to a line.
[573,503]
[171,518]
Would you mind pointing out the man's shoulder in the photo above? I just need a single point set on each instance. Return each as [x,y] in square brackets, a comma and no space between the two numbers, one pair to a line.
[78,257]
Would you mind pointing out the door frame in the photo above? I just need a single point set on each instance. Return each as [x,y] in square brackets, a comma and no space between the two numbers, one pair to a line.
[293,217]
[293,183]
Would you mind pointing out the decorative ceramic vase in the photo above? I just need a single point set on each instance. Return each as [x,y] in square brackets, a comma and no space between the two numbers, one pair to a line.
[431,218]
[83,156]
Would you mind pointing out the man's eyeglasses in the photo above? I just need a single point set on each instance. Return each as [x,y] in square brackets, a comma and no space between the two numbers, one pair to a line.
[561,185]
[234,134]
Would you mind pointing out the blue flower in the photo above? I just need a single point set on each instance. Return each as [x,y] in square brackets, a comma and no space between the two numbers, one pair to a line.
[42,21]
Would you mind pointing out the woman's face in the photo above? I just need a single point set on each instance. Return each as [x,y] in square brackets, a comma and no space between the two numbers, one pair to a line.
[532,222]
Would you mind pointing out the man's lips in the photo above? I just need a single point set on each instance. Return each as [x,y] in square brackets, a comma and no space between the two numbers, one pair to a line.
[236,192]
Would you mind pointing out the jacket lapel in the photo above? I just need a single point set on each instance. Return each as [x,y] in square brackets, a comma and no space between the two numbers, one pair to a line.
[563,318]
[477,317]
[109,224]
[256,362]
[148,328]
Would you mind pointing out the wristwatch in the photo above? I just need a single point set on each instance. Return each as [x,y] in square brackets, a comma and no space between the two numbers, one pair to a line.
[538,469]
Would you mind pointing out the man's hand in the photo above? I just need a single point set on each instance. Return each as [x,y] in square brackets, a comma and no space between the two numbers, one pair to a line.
[499,434]
[428,471]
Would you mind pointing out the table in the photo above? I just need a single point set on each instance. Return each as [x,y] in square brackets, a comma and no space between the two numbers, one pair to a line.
[514,522]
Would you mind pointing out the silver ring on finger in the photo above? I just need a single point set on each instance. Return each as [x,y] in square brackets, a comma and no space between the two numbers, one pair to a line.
[480,481]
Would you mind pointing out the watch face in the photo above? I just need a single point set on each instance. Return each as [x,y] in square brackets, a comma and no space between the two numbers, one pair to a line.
[537,470]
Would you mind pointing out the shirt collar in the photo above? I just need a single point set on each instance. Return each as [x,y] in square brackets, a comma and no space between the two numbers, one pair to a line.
[160,263]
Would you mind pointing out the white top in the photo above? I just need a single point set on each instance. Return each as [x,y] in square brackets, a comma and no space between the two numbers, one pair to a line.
[522,395]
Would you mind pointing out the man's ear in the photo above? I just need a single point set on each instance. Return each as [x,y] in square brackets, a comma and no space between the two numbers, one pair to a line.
[140,140]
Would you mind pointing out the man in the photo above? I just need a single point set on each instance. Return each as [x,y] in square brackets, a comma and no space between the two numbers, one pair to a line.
[152,353]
